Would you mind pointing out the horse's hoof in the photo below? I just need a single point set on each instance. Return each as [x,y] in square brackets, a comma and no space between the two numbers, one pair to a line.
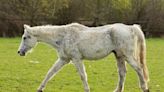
[147,90]
[39,91]
[117,91]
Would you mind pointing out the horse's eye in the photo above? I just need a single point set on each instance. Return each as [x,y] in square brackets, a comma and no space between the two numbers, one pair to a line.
[28,36]
[24,38]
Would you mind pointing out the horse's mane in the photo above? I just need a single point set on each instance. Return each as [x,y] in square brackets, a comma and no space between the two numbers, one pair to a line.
[77,24]
[71,25]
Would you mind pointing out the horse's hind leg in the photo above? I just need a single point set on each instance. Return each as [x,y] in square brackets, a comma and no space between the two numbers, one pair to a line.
[122,72]
[133,62]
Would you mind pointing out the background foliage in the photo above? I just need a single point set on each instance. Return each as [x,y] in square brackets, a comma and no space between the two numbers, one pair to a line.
[14,13]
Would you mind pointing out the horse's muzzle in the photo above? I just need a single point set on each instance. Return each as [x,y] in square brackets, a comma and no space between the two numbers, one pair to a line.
[21,53]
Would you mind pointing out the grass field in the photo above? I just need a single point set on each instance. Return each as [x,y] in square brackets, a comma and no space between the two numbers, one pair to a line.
[24,74]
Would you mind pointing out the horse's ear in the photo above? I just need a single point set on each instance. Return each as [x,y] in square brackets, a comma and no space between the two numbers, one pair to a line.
[29,30]
[26,26]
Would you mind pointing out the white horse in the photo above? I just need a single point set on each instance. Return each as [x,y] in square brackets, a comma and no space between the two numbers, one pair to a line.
[75,42]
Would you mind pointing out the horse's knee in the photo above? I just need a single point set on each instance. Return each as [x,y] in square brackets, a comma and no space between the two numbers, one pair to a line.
[83,77]
[122,71]
[134,64]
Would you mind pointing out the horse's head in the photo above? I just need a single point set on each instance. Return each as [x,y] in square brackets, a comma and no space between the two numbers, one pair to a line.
[28,41]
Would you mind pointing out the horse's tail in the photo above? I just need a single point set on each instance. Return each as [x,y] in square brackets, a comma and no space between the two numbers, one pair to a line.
[141,53]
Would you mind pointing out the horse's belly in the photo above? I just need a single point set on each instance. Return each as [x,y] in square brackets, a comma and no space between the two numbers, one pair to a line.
[95,53]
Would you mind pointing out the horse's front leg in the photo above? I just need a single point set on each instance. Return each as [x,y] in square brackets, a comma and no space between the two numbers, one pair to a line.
[52,71]
[81,69]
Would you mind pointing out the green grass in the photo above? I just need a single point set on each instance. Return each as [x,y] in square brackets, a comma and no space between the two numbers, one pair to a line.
[20,74]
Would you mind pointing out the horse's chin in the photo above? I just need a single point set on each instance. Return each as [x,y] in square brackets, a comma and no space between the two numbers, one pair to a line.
[22,54]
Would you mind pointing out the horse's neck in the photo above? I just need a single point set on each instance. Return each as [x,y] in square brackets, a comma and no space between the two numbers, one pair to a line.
[48,36]
[44,36]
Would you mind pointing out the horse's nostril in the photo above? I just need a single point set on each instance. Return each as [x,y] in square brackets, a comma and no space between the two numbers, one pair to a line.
[18,52]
